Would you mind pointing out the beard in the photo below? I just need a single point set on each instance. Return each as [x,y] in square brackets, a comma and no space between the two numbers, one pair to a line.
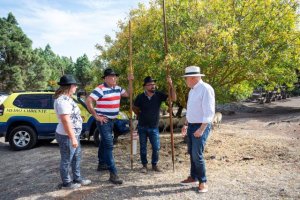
[152,90]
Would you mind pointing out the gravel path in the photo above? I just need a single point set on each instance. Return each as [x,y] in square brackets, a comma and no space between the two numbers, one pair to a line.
[251,156]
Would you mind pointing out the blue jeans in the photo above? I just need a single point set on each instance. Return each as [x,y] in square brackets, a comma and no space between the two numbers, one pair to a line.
[105,151]
[69,157]
[196,151]
[153,134]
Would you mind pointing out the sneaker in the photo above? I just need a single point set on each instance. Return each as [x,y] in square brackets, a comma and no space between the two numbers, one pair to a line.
[189,181]
[115,179]
[83,182]
[144,169]
[156,168]
[102,167]
[70,186]
[202,188]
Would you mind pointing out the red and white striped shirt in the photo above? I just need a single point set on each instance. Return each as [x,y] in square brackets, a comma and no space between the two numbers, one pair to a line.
[107,100]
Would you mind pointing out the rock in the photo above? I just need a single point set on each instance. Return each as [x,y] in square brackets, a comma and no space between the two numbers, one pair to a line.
[247,158]
[228,112]
[271,123]
[212,157]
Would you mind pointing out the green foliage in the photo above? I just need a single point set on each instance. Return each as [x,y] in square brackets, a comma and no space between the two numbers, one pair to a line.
[237,44]
[15,81]
[15,53]
[164,106]
[97,73]
[240,91]
[55,63]
[83,71]
[68,64]
[34,80]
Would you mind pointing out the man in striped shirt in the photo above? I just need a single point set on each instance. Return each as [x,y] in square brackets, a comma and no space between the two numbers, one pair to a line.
[107,97]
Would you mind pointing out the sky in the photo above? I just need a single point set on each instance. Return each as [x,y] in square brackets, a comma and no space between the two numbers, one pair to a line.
[71,27]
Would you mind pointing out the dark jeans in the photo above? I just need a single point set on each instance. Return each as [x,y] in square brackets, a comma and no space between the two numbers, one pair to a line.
[196,151]
[105,151]
[153,134]
[69,157]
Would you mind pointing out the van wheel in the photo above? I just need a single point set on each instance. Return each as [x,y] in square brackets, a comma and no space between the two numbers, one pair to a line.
[22,138]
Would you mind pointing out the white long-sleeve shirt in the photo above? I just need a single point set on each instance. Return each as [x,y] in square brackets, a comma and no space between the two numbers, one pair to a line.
[201,103]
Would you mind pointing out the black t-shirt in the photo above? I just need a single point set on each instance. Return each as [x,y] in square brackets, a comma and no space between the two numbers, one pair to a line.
[149,108]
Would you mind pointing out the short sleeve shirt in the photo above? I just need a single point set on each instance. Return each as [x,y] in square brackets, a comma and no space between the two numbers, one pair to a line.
[149,107]
[65,105]
[107,100]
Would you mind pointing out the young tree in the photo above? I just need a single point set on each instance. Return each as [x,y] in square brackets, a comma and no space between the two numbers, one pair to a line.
[237,44]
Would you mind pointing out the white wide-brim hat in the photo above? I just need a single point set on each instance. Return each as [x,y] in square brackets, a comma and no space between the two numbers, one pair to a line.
[192,71]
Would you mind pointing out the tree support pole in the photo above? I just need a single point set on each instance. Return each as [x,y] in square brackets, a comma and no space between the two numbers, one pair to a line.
[169,88]
[130,95]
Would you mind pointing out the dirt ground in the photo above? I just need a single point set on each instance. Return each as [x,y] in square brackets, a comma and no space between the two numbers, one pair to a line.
[255,154]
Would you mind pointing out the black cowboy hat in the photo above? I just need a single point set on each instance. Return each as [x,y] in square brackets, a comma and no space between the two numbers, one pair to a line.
[108,72]
[67,79]
[148,79]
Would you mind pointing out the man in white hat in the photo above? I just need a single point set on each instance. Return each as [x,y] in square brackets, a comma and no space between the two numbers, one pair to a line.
[200,112]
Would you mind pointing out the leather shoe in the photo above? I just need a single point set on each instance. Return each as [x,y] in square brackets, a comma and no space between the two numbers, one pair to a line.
[115,179]
[156,168]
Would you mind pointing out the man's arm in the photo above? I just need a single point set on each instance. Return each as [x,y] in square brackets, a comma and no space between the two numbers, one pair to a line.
[90,106]
[125,94]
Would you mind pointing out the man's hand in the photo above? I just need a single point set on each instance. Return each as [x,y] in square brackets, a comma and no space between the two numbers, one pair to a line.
[101,119]
[184,131]
[130,77]
[198,133]
[173,93]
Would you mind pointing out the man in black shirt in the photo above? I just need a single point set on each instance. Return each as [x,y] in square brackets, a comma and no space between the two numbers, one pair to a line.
[147,108]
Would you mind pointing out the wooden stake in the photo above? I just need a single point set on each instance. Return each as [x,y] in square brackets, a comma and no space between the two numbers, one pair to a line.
[169,88]
[130,96]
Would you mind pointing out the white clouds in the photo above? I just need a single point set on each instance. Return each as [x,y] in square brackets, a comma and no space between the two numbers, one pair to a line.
[72,28]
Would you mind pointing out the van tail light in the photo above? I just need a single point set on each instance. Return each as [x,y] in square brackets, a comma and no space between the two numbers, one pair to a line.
[1,109]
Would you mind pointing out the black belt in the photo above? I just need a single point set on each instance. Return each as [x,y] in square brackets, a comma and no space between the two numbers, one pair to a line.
[195,123]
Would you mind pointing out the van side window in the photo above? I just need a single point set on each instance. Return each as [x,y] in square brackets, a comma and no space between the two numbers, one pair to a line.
[36,101]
